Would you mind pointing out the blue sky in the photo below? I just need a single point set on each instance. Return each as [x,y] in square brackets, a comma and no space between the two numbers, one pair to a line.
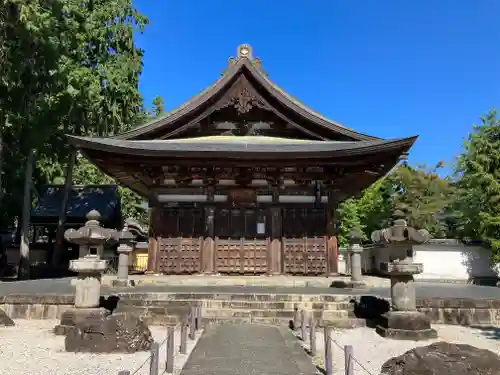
[389,68]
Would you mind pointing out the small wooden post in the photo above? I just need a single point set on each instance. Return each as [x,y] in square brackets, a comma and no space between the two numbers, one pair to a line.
[154,360]
[349,362]
[328,351]
[197,317]
[124,372]
[303,325]
[312,336]
[192,323]
[169,361]
[183,345]
[295,317]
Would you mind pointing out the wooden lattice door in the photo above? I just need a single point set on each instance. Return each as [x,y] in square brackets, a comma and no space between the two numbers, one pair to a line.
[242,241]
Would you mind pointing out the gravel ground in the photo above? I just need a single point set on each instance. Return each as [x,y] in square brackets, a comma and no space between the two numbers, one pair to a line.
[372,351]
[31,348]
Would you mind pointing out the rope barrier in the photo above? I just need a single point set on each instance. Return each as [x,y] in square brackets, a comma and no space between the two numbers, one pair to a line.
[149,358]
[353,358]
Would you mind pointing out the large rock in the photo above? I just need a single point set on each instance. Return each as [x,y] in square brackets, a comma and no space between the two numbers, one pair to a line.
[444,358]
[5,320]
[116,333]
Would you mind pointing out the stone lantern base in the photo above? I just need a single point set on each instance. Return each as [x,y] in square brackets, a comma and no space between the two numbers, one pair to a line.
[348,284]
[405,325]
[123,283]
[78,316]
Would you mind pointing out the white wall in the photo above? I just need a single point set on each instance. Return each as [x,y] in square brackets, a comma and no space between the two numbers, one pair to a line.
[442,260]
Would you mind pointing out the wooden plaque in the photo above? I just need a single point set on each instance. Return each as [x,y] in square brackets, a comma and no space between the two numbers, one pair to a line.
[243,195]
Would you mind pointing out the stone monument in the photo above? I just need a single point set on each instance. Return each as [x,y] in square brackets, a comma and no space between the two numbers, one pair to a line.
[403,321]
[126,241]
[89,266]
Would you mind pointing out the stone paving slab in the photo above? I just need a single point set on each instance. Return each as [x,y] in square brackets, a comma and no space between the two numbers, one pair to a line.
[248,349]
[254,281]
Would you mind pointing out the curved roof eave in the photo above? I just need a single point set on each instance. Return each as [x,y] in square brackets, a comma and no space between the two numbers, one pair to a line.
[239,149]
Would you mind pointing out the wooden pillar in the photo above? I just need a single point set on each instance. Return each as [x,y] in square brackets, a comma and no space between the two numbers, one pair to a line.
[153,261]
[332,251]
[208,248]
[275,247]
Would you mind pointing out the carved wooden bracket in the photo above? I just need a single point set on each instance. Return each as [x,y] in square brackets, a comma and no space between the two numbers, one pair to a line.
[242,97]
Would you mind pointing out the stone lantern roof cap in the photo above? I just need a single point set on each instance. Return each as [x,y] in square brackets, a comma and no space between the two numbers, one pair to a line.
[400,232]
[125,237]
[355,237]
[92,233]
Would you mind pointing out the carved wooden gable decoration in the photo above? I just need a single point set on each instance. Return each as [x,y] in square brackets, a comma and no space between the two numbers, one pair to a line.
[244,95]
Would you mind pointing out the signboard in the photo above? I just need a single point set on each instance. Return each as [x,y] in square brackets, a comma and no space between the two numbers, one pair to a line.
[243,195]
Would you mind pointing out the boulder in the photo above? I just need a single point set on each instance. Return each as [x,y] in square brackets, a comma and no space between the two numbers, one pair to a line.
[5,320]
[444,358]
[116,333]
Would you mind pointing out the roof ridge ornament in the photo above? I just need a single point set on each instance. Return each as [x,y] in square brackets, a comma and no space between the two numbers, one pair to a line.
[244,51]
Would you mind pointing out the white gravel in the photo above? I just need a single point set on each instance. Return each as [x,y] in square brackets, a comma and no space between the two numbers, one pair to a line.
[31,348]
[372,350]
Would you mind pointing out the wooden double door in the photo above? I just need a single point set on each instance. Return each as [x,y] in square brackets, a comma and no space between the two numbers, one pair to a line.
[242,240]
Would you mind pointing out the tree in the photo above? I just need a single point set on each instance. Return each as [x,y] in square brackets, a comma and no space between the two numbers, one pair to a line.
[423,195]
[159,106]
[350,218]
[478,182]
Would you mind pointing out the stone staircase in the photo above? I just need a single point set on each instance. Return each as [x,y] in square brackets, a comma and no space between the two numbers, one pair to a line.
[276,309]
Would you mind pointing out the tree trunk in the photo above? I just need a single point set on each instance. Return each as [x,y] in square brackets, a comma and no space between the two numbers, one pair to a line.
[1,169]
[24,259]
[59,245]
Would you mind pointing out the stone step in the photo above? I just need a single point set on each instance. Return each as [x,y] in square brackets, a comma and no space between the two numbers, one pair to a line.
[343,323]
[218,304]
[261,297]
[286,314]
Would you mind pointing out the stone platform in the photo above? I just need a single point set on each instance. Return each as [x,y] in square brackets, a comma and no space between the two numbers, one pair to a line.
[158,304]
[247,281]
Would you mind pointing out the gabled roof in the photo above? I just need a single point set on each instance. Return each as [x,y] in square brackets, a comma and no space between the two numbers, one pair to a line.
[293,110]
[81,200]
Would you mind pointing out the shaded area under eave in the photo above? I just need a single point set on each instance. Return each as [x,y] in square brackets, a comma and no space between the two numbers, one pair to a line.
[120,158]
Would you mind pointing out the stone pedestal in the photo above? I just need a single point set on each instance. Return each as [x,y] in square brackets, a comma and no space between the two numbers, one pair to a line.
[354,252]
[404,322]
[405,325]
[87,293]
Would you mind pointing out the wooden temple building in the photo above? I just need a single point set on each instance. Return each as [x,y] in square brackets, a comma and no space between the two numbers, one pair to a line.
[243,178]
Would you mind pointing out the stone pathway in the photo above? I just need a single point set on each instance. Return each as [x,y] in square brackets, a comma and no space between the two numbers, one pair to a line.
[423,289]
[248,350]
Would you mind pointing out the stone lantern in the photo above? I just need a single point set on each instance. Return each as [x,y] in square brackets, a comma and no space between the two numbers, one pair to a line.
[354,253]
[126,240]
[89,266]
[403,321]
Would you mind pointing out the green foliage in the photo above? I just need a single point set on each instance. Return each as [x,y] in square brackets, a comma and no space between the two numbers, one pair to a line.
[478,182]
[67,67]
[420,193]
